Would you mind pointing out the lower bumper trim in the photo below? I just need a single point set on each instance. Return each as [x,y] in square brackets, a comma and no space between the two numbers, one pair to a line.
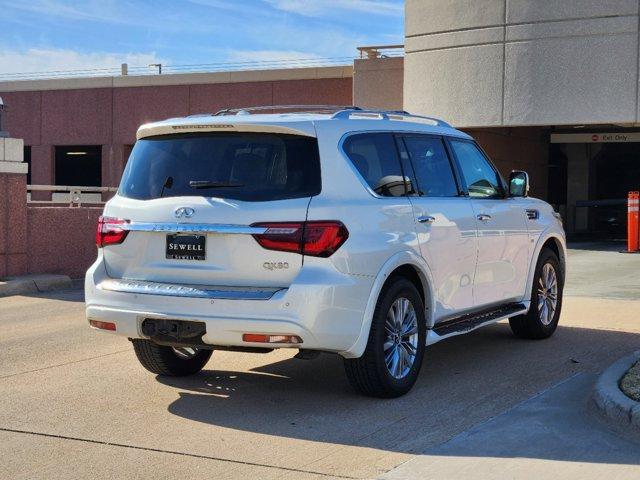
[188,291]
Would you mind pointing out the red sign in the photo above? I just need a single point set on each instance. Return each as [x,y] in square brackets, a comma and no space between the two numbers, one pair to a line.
[595,137]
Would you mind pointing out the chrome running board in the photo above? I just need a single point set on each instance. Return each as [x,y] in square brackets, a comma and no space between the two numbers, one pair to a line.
[188,291]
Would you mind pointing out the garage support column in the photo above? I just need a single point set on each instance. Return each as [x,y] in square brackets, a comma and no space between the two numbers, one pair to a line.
[13,208]
[42,170]
[111,167]
[577,185]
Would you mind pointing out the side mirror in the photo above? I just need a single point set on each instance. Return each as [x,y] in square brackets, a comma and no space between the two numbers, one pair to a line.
[518,184]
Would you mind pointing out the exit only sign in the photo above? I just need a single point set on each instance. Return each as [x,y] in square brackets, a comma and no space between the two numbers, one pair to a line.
[595,137]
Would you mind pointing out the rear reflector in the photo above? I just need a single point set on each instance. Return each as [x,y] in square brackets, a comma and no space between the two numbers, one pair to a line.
[103,325]
[316,238]
[259,338]
[110,231]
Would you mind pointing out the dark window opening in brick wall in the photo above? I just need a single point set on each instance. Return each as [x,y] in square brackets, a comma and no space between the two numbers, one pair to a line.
[79,165]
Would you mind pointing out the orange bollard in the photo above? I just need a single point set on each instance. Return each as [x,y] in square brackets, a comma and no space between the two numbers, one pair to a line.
[633,212]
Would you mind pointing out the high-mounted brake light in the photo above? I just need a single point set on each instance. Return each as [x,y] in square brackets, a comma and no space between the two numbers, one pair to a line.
[315,238]
[110,231]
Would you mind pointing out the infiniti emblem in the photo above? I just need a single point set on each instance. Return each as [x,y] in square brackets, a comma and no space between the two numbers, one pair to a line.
[186,212]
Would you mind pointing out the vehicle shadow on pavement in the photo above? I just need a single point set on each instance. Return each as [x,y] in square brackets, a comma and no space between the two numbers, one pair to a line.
[464,381]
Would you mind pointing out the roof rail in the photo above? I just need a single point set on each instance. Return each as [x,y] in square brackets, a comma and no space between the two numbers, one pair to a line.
[301,108]
[385,115]
[339,112]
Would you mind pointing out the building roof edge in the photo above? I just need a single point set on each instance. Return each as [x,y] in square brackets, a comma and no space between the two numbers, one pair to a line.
[240,76]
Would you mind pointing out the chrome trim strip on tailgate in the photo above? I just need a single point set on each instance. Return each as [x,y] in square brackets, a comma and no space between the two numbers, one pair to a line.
[189,291]
[192,228]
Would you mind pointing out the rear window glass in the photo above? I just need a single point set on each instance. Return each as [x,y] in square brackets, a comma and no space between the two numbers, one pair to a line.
[239,166]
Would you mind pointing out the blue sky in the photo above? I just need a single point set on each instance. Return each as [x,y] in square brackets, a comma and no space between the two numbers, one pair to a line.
[45,35]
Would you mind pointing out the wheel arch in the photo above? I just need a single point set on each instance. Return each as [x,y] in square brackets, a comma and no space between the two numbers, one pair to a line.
[555,242]
[408,265]
[416,277]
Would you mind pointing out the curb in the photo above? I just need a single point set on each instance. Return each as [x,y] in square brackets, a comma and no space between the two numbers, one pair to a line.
[33,284]
[613,406]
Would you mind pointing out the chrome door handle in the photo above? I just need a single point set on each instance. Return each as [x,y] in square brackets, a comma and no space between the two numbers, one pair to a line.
[426,219]
[483,217]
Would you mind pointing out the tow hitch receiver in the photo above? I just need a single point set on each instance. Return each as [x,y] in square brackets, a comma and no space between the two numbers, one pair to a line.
[174,332]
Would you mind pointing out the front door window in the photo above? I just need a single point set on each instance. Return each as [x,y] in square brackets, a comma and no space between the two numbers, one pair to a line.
[482,180]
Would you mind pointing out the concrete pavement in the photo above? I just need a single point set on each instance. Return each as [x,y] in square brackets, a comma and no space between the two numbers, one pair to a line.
[552,435]
[599,270]
[76,403]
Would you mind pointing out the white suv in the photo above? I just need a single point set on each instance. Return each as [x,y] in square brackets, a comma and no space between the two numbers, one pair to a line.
[368,234]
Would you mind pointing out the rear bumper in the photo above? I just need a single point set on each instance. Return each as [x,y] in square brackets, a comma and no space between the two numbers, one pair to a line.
[322,306]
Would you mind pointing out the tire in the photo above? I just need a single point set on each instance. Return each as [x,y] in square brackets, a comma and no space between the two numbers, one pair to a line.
[163,360]
[534,324]
[369,374]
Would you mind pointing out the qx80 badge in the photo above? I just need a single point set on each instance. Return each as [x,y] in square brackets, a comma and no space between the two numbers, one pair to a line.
[275,265]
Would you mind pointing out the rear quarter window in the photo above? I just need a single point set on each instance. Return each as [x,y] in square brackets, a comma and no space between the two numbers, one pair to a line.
[375,157]
[239,166]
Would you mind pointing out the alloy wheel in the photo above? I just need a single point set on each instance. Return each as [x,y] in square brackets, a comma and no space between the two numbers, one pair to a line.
[401,338]
[547,294]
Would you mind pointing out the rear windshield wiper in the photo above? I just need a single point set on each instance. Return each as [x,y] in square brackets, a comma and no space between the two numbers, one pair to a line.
[211,184]
[168,183]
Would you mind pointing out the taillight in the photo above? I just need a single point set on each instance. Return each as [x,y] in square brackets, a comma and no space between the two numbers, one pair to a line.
[285,237]
[317,238]
[322,239]
[110,231]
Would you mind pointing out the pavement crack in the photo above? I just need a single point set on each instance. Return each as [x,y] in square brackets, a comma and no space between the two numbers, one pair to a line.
[62,364]
[174,452]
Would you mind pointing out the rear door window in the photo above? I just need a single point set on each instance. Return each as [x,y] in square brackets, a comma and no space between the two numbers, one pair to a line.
[433,172]
[375,156]
[239,166]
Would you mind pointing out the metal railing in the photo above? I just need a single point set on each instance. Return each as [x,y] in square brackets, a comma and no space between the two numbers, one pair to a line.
[189,68]
[73,196]
[381,51]
[376,51]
